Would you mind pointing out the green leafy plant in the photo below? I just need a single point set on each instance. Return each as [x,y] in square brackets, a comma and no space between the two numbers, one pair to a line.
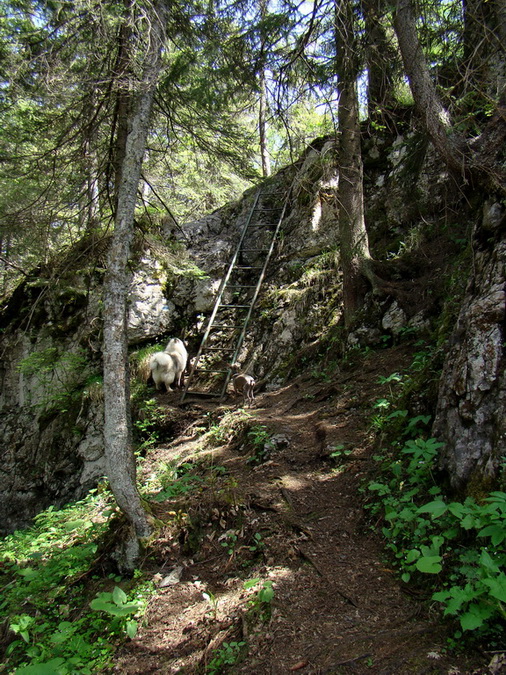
[381,421]
[260,603]
[382,404]
[392,378]
[229,542]
[116,604]
[460,545]
[50,563]
[150,417]
[230,426]
[340,454]
[176,480]
[227,655]
[258,544]
[213,602]
[260,439]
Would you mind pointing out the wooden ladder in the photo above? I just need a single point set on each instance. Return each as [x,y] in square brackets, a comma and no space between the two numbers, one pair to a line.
[241,310]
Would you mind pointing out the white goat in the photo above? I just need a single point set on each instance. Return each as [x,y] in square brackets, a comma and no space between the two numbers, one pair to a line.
[177,350]
[168,366]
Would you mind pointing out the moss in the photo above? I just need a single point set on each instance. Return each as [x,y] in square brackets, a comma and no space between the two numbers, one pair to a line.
[479,486]
[451,291]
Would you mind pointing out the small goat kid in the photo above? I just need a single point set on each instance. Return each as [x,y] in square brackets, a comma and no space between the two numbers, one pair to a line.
[245,385]
[168,366]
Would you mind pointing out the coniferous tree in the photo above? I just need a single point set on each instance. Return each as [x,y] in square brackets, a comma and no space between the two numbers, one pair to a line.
[353,239]
[476,160]
[382,62]
[263,105]
[138,78]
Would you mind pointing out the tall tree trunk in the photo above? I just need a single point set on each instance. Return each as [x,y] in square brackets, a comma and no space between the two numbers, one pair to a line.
[435,117]
[123,78]
[262,111]
[262,127]
[354,244]
[353,234]
[381,62]
[117,427]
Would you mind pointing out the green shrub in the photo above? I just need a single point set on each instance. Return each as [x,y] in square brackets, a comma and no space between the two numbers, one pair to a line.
[461,544]
[45,575]
[227,655]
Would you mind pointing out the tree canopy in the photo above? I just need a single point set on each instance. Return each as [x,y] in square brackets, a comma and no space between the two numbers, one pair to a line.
[61,61]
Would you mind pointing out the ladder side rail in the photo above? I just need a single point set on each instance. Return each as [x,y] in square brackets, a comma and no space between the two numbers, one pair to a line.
[219,296]
[255,296]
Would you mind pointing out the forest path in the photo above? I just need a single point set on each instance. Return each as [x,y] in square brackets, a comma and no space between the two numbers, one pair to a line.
[337,607]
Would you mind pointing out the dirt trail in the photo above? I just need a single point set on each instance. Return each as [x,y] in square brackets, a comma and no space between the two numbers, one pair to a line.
[337,607]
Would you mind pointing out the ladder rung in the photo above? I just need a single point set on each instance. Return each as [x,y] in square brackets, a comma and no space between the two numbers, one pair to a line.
[238,286]
[226,325]
[218,349]
[233,306]
[248,267]
[201,393]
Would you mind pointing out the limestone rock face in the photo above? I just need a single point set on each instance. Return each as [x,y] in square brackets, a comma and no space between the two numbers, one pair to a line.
[150,311]
[471,414]
[50,403]
[394,319]
[51,413]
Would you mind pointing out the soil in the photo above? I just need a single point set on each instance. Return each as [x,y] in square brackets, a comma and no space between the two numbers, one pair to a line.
[294,518]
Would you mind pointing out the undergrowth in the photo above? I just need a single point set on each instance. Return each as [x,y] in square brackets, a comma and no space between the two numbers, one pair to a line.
[259,610]
[64,615]
[454,549]
[226,427]
[61,617]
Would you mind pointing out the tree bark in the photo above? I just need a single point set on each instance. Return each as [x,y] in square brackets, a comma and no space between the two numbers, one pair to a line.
[354,244]
[117,427]
[352,231]
[435,117]
[381,62]
[262,127]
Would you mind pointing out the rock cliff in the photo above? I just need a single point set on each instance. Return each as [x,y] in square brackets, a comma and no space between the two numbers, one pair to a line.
[51,422]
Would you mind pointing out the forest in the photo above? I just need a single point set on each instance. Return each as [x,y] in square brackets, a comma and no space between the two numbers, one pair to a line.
[350,516]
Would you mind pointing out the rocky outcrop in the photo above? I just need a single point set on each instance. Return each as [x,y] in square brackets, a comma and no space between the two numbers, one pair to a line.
[50,349]
[471,414]
[50,401]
